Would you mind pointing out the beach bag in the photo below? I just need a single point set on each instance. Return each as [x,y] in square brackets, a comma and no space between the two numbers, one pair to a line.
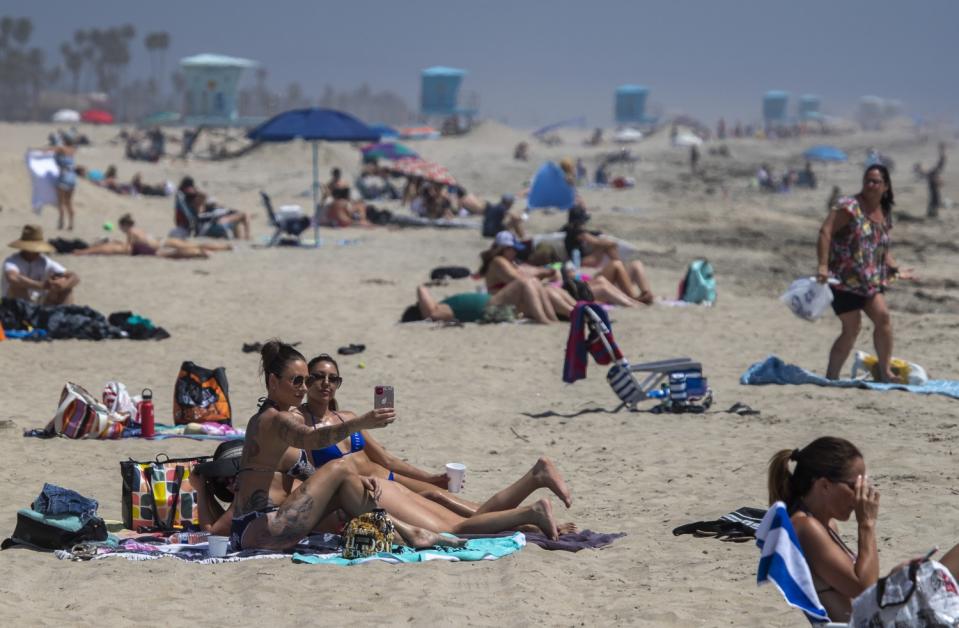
[157,495]
[53,532]
[699,284]
[866,364]
[201,395]
[368,534]
[921,594]
[80,415]
[807,298]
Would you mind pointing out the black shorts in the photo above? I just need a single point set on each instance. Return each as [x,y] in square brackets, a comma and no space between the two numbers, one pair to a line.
[843,301]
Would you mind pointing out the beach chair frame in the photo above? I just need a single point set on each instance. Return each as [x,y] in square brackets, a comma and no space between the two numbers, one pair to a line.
[622,378]
[281,228]
[198,227]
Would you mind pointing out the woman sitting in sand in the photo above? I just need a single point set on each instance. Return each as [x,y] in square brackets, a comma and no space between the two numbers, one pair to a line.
[258,522]
[341,211]
[599,257]
[139,242]
[501,271]
[829,484]
[369,458]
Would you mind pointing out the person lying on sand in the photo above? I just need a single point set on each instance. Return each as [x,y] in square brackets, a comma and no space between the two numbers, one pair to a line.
[829,484]
[139,242]
[600,259]
[369,458]
[526,295]
[258,522]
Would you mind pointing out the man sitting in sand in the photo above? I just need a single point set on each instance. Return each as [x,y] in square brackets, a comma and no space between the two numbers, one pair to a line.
[33,276]
[139,242]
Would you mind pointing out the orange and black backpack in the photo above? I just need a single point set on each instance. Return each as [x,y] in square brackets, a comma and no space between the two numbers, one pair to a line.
[201,395]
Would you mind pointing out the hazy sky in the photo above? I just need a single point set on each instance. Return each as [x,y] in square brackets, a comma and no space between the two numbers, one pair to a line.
[533,62]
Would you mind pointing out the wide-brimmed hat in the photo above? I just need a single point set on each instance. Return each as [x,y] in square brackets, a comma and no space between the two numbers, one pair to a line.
[31,239]
[225,463]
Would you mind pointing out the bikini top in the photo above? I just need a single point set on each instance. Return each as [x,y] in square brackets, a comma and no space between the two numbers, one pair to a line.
[333,452]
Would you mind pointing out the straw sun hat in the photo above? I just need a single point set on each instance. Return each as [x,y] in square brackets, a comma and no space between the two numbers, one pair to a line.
[31,239]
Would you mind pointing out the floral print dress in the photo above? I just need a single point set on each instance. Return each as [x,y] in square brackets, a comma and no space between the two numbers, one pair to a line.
[857,254]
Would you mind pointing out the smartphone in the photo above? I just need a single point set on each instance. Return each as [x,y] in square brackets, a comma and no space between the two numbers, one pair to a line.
[382,397]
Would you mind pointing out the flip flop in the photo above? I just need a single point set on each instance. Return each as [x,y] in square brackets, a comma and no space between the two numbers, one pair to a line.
[351,349]
[742,409]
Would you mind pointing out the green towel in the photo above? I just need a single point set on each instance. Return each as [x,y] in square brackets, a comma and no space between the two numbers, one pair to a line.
[489,548]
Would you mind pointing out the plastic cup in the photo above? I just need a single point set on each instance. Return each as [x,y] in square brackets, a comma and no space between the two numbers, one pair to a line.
[218,545]
[456,472]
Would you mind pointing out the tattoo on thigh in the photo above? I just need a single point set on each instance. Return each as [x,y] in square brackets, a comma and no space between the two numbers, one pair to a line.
[296,518]
[259,500]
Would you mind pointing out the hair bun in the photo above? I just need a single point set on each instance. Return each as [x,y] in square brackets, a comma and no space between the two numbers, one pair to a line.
[794,455]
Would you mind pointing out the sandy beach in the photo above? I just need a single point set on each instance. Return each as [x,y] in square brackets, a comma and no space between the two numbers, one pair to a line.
[491,396]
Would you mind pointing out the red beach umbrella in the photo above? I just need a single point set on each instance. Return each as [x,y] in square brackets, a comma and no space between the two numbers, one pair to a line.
[97,116]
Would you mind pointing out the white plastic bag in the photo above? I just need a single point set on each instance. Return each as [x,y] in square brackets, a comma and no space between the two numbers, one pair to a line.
[807,298]
[923,594]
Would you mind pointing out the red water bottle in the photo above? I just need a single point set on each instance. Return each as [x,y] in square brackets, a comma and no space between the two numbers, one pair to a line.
[146,414]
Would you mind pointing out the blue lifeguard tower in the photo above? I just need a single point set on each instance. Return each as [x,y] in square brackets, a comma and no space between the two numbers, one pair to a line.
[775,103]
[211,87]
[809,107]
[439,91]
[631,104]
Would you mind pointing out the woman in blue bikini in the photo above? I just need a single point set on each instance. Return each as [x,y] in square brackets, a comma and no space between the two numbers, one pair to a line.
[426,491]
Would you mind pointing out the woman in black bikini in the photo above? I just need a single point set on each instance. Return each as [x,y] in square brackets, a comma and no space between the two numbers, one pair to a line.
[829,484]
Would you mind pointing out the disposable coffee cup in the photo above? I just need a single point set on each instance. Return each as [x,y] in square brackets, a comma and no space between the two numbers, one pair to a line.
[218,545]
[456,472]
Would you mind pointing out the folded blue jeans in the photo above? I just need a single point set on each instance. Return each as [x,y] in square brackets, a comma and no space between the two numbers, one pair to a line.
[56,500]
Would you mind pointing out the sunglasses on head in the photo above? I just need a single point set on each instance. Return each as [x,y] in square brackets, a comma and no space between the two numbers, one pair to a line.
[333,380]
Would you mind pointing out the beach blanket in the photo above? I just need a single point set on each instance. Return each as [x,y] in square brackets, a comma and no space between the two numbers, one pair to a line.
[737,526]
[773,370]
[574,541]
[317,549]
[207,431]
[403,220]
[43,171]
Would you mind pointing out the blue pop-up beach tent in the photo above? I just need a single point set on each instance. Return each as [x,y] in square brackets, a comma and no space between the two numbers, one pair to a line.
[550,189]
[825,152]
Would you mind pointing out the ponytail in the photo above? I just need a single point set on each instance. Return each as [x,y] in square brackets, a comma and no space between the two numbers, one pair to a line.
[826,457]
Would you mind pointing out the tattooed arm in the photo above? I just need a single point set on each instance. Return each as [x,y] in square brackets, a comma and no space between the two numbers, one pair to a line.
[295,433]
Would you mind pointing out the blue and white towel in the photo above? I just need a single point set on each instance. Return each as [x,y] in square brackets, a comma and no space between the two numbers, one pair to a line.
[773,370]
[782,561]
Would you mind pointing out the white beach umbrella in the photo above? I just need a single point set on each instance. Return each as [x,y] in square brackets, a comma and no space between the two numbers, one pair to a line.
[66,115]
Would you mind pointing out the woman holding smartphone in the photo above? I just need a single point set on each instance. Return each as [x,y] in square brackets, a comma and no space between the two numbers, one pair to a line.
[415,495]
[829,484]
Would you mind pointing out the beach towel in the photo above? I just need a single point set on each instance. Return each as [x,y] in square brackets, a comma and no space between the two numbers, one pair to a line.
[773,370]
[574,541]
[317,549]
[737,526]
[577,344]
[194,431]
[783,563]
[43,171]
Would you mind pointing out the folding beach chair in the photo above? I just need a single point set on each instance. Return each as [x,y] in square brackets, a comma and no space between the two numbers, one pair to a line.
[621,375]
[286,228]
[189,224]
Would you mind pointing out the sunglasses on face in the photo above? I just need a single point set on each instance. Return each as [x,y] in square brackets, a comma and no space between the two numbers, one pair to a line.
[874,182]
[850,483]
[298,380]
[332,380]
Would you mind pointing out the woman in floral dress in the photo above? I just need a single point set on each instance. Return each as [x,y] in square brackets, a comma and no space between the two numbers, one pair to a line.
[854,248]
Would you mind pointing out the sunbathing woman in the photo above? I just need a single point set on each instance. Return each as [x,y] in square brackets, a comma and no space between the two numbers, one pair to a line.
[829,483]
[501,271]
[400,496]
[600,258]
[340,211]
[369,457]
[524,294]
[139,242]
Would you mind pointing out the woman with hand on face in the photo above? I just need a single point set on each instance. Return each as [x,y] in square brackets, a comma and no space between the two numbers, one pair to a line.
[854,248]
[828,484]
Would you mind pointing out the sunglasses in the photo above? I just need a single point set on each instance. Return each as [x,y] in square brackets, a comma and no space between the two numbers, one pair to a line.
[299,380]
[332,380]
[850,483]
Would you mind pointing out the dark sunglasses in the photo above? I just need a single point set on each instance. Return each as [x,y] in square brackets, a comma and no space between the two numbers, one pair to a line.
[299,380]
[333,380]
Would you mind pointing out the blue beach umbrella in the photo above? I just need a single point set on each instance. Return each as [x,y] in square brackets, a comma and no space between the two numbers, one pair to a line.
[314,125]
[824,152]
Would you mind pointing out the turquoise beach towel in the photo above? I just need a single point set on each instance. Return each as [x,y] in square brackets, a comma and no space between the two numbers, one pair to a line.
[489,548]
[773,370]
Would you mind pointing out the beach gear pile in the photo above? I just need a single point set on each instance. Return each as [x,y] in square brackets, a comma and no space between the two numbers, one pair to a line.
[31,321]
